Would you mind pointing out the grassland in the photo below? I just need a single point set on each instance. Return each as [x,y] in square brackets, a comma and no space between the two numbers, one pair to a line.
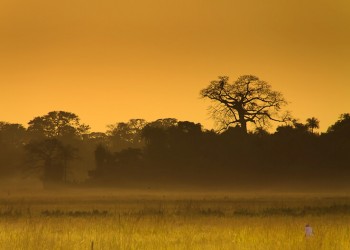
[174,221]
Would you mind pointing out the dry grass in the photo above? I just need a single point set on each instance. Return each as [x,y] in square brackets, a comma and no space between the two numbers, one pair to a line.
[215,222]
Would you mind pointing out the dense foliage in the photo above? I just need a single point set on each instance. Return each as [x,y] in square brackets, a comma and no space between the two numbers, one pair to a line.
[170,152]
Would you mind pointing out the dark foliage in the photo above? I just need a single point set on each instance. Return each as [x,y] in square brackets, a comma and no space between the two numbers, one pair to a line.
[168,152]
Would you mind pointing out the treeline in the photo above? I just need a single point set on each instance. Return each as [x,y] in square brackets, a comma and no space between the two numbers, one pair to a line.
[58,148]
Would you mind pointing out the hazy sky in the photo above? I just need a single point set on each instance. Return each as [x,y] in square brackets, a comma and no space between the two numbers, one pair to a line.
[111,60]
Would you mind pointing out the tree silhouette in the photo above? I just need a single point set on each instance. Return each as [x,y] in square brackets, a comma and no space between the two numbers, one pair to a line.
[342,126]
[337,144]
[12,139]
[12,134]
[57,124]
[312,123]
[124,135]
[103,161]
[247,100]
[50,159]
[172,152]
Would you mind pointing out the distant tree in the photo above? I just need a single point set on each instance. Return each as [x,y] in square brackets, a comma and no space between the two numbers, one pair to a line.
[247,100]
[50,159]
[157,135]
[155,132]
[12,134]
[185,141]
[342,126]
[57,124]
[96,138]
[189,127]
[312,123]
[164,123]
[103,162]
[113,168]
[293,129]
[126,134]
[336,145]
[129,157]
[12,139]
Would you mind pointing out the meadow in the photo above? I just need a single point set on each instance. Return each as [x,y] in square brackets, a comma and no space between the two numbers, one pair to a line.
[126,220]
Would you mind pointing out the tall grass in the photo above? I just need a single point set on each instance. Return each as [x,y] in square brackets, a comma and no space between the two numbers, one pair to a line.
[175,223]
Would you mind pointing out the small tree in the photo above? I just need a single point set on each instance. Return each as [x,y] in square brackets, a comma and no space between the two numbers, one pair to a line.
[312,124]
[247,100]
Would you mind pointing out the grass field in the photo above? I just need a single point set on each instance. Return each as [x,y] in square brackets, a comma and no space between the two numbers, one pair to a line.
[174,221]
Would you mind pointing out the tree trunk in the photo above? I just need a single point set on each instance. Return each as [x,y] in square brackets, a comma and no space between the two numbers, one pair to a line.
[244,126]
[242,121]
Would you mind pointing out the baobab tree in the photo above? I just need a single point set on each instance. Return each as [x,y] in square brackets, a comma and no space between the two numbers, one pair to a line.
[247,100]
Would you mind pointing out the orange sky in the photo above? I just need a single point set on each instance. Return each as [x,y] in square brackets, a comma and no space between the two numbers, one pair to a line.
[111,60]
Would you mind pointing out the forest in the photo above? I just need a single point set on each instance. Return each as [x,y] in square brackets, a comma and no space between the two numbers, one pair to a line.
[58,149]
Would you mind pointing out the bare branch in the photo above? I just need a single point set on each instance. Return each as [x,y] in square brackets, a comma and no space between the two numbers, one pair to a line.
[247,100]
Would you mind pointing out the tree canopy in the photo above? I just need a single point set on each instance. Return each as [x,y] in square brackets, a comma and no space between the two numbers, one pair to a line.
[246,100]
[57,124]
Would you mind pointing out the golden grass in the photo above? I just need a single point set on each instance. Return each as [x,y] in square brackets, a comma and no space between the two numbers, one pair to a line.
[174,223]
